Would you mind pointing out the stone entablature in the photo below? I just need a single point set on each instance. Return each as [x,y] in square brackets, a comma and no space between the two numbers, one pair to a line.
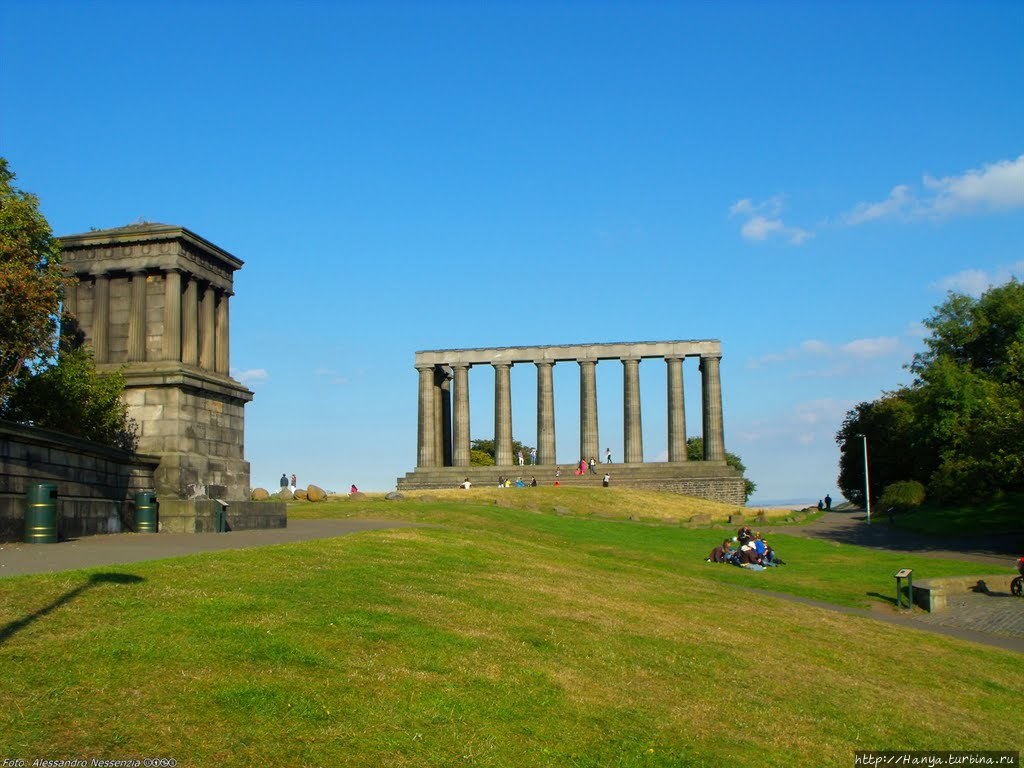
[561,353]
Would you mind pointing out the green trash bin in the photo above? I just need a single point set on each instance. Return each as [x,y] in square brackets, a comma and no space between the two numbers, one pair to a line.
[145,512]
[41,514]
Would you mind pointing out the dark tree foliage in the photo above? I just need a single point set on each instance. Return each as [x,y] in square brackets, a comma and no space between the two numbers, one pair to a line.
[959,428]
[70,396]
[695,452]
[481,452]
[30,281]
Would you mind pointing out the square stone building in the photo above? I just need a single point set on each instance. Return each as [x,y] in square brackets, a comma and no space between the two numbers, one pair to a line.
[152,300]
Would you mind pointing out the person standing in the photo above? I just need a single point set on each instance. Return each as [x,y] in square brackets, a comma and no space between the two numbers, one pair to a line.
[606,479]
[607,455]
[520,457]
[593,464]
[828,503]
[533,456]
[284,480]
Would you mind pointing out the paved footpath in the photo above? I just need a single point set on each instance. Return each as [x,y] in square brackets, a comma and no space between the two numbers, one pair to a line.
[117,549]
[994,617]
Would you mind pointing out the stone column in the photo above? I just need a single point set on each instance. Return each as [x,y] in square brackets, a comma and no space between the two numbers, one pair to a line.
[502,414]
[101,318]
[711,391]
[590,445]
[190,323]
[442,417]
[172,315]
[632,429]
[545,413]
[223,334]
[137,318]
[71,296]
[425,419]
[207,329]
[460,416]
[676,410]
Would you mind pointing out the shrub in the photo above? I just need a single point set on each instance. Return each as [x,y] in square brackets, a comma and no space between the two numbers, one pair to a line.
[903,495]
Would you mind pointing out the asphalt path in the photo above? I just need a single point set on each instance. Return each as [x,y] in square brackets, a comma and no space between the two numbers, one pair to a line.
[18,559]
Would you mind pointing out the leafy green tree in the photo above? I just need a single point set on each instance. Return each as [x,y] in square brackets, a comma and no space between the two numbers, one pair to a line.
[70,396]
[30,281]
[486,448]
[959,428]
[695,452]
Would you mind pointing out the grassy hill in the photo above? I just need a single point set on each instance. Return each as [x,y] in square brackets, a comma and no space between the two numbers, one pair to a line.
[489,636]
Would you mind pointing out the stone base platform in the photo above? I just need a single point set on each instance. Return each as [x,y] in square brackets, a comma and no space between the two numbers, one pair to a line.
[712,480]
[200,515]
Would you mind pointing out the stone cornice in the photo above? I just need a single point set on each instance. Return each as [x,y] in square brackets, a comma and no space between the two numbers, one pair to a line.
[571,352]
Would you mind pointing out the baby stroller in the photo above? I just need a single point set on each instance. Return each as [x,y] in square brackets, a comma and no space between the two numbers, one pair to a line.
[1017,585]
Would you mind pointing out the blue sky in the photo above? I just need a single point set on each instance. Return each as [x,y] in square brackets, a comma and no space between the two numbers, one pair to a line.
[803,181]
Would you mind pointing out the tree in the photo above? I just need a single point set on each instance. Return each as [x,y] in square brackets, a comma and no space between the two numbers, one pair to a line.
[30,281]
[482,452]
[959,427]
[695,452]
[70,396]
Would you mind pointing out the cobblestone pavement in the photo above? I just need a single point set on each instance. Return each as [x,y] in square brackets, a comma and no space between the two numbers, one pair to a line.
[997,612]
[994,613]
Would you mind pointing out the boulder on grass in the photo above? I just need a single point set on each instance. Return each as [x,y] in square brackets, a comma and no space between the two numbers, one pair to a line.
[394,496]
[357,495]
[259,494]
[315,493]
[702,519]
[737,519]
[300,495]
[285,495]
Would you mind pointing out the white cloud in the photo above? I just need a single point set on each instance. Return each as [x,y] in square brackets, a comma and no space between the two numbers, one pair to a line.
[250,376]
[863,349]
[975,282]
[804,423]
[869,348]
[763,222]
[993,187]
[899,200]
[998,185]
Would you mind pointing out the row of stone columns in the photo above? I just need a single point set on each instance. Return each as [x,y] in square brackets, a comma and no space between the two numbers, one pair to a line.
[443,422]
[196,322]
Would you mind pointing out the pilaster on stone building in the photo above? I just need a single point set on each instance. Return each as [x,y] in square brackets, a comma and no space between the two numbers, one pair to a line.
[152,300]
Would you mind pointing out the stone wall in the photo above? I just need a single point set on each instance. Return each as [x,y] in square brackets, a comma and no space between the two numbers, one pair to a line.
[96,484]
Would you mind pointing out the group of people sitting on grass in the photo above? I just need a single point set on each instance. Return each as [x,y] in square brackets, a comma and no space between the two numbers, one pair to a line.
[751,551]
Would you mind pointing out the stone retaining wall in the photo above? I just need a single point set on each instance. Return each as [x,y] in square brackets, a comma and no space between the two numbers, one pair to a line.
[96,484]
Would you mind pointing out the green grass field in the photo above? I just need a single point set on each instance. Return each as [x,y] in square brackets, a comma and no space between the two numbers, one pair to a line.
[488,636]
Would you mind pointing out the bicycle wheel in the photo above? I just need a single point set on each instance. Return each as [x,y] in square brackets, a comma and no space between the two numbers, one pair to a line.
[1017,586]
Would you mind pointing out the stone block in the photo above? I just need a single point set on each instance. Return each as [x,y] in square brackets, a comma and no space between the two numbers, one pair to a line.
[315,493]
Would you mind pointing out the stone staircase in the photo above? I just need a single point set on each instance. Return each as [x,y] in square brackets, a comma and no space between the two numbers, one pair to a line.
[704,479]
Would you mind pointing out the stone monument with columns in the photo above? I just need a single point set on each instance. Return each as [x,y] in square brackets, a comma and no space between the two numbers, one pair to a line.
[153,302]
[443,443]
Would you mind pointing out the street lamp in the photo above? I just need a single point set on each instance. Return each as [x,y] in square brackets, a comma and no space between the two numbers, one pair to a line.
[867,481]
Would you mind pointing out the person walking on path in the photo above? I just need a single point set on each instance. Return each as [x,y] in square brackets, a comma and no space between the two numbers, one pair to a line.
[828,503]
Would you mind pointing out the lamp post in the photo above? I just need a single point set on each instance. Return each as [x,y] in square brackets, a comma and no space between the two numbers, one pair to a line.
[867,480]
